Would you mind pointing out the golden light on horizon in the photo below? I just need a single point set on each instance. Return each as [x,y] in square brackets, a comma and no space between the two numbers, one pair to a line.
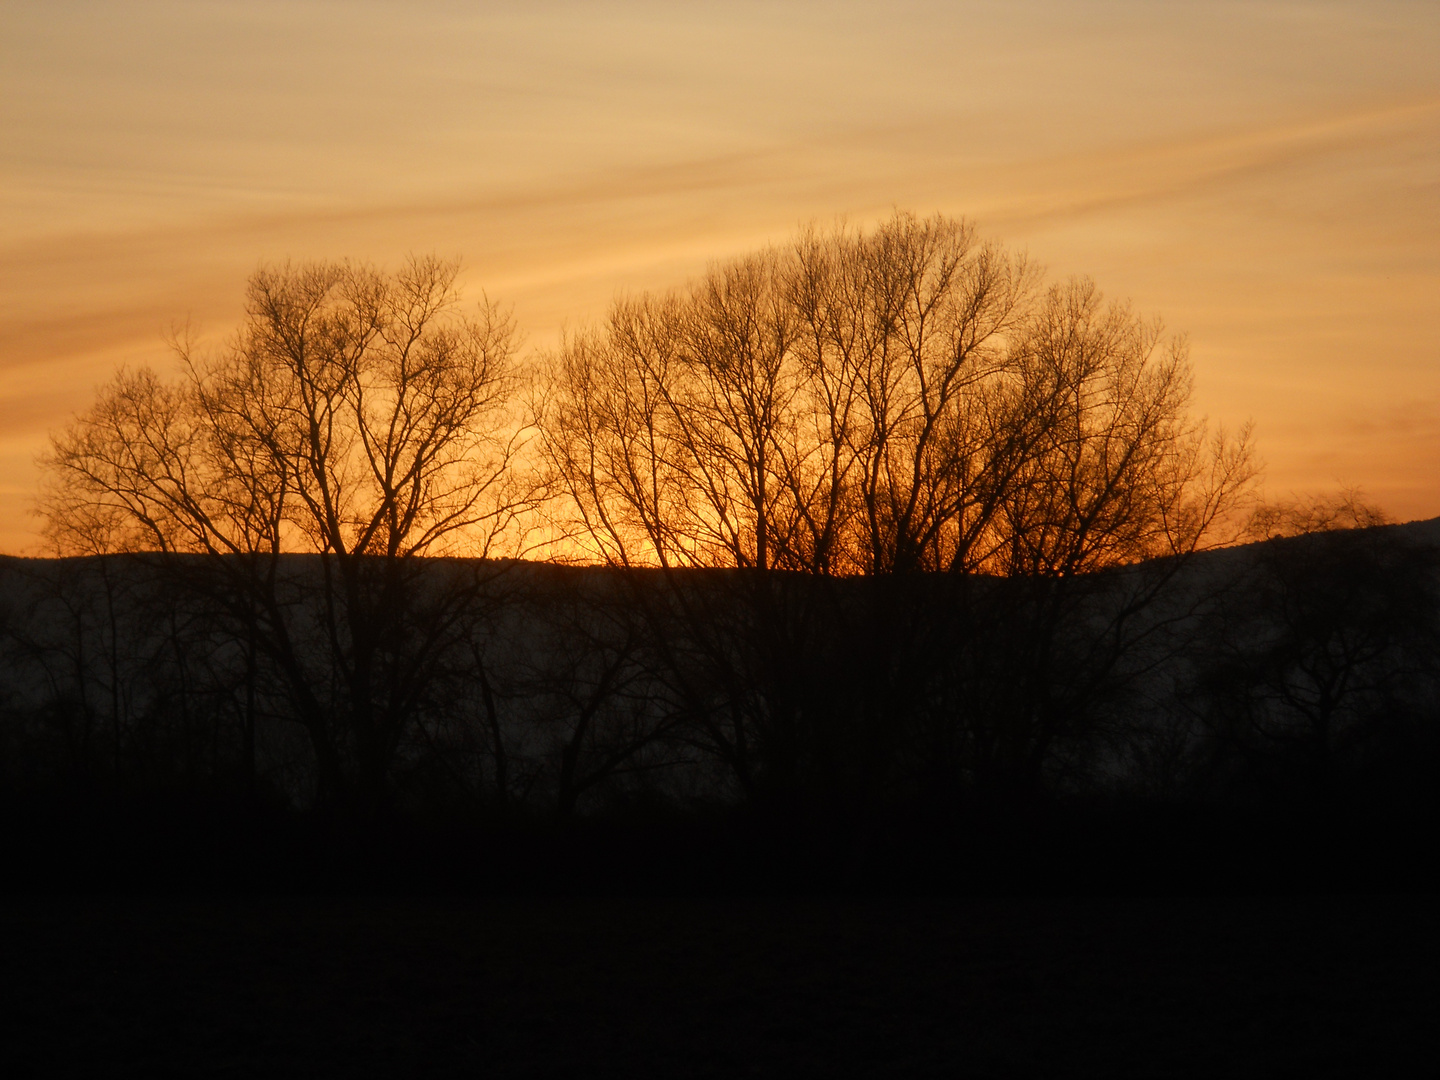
[1264,176]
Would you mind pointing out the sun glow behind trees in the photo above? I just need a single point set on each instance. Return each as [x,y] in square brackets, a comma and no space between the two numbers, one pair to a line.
[904,399]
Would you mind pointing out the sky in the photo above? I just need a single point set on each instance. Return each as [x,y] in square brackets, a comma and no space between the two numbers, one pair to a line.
[1264,176]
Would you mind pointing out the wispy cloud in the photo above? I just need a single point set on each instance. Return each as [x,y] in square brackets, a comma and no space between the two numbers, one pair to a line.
[1064,188]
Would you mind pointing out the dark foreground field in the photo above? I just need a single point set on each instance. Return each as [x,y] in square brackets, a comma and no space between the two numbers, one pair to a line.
[1317,985]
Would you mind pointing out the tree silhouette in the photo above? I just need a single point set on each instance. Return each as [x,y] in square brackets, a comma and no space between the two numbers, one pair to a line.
[357,417]
[877,404]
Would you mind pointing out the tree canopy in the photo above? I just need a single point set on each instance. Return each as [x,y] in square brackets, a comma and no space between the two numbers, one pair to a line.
[354,412]
[903,399]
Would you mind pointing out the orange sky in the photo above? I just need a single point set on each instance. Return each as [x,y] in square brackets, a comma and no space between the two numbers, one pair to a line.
[1265,176]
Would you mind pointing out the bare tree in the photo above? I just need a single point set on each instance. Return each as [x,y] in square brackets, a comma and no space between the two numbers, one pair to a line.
[358,417]
[1115,473]
[885,403]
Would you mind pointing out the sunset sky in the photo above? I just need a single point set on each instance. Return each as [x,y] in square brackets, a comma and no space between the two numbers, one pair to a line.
[1265,176]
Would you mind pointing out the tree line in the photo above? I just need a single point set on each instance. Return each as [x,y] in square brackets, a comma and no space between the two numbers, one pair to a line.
[876,517]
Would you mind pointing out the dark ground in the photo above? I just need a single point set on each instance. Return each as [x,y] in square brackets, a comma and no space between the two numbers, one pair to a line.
[1214,986]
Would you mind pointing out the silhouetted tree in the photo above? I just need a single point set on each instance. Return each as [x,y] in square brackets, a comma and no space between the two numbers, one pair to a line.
[1115,474]
[877,404]
[356,417]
